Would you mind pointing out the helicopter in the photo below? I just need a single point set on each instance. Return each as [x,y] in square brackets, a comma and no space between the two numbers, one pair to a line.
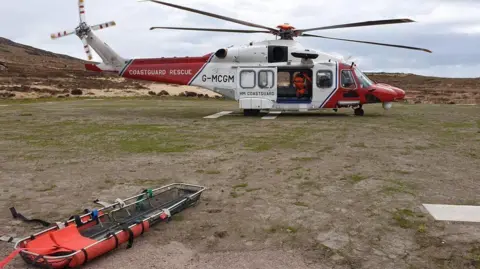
[271,75]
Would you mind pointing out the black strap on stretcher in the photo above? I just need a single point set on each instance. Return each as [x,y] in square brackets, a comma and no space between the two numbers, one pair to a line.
[86,256]
[39,259]
[17,215]
[112,234]
[130,237]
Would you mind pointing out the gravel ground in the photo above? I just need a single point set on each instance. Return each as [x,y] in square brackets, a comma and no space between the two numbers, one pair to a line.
[319,190]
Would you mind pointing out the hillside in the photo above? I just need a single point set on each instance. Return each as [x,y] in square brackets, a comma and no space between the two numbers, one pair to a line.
[28,72]
[424,89]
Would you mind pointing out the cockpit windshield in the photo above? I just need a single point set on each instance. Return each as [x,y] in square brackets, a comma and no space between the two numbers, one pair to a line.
[365,82]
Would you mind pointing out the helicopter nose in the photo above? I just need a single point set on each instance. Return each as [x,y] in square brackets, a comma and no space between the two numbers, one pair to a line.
[400,94]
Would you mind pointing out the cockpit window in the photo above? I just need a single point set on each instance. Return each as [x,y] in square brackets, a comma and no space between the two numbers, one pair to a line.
[365,82]
[348,82]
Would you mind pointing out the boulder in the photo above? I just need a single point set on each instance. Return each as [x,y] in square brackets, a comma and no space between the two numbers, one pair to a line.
[191,94]
[7,94]
[163,92]
[76,92]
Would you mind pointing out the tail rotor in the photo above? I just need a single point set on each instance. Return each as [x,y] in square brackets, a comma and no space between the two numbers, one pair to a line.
[81,10]
[87,49]
[103,25]
[83,29]
[62,34]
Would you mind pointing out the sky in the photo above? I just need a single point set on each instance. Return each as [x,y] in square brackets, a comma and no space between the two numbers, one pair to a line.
[450,28]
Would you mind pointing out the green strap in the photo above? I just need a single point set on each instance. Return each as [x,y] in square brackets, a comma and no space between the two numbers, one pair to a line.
[149,193]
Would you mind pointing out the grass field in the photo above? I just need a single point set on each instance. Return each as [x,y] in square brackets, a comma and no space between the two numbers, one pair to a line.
[321,189]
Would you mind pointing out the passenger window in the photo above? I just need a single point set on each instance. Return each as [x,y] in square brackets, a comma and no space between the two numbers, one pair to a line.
[347,80]
[324,79]
[265,79]
[247,79]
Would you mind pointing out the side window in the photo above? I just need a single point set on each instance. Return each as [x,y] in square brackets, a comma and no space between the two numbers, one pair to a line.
[265,79]
[347,80]
[247,79]
[324,79]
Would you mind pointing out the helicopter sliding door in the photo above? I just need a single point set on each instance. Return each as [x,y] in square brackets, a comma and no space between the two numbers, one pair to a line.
[256,87]
[324,83]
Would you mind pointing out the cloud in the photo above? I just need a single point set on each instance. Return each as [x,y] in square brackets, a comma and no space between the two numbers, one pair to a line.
[449,28]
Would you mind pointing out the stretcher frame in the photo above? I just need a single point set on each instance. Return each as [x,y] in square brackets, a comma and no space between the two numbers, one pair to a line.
[152,217]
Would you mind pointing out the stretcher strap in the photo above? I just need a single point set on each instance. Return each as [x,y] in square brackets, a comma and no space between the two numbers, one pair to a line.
[111,234]
[10,257]
[94,214]
[130,237]
[39,257]
[102,203]
[14,253]
[149,192]
[165,214]
[86,256]
[60,225]
[143,226]
[16,215]
[78,221]
[121,202]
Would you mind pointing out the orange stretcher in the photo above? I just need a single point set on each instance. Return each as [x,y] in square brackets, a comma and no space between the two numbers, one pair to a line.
[86,237]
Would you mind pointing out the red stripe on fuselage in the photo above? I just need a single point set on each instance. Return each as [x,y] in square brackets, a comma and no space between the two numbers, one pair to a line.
[167,70]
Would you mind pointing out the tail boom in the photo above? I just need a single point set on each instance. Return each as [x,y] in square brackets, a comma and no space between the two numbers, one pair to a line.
[182,71]
[107,54]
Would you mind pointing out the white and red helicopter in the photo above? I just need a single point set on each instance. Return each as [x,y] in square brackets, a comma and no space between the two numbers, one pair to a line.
[259,75]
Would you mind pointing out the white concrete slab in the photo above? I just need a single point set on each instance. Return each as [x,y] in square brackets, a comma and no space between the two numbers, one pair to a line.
[454,212]
[218,115]
[272,115]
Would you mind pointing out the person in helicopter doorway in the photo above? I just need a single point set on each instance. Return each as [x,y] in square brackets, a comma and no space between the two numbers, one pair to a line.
[301,80]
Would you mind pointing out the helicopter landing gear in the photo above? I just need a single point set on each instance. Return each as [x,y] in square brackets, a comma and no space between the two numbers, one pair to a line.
[359,111]
[251,112]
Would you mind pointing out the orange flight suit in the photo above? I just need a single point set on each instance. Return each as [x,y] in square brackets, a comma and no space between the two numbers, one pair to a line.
[299,83]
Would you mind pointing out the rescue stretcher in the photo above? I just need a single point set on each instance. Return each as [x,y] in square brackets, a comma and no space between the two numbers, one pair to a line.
[88,236]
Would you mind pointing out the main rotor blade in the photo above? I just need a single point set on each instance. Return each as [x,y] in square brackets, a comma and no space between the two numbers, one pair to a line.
[214,15]
[212,30]
[368,42]
[356,24]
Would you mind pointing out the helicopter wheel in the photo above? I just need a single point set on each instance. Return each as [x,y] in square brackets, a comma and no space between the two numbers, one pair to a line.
[359,112]
[251,112]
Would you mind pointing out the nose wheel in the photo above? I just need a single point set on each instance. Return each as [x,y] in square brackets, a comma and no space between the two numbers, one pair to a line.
[359,111]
